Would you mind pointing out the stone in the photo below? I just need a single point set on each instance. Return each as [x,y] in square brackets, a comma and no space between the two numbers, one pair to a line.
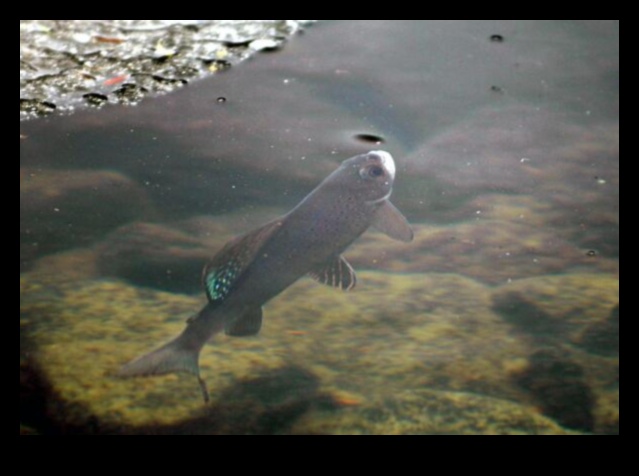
[63,209]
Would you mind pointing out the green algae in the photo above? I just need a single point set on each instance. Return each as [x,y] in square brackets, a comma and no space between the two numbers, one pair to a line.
[419,412]
[490,250]
[573,380]
[570,300]
[396,340]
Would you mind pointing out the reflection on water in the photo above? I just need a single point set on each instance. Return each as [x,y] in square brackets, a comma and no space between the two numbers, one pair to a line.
[500,317]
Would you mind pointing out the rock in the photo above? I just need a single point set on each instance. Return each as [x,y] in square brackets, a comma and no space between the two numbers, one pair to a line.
[559,387]
[268,404]
[430,412]
[171,256]
[65,63]
[81,332]
[492,251]
[515,150]
[155,256]
[559,317]
[602,337]
[607,412]
[65,209]
[324,362]
[549,309]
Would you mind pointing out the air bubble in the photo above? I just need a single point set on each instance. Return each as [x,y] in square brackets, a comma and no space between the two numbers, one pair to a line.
[369,138]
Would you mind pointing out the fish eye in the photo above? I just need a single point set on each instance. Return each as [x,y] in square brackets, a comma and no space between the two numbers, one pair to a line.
[373,171]
[376,171]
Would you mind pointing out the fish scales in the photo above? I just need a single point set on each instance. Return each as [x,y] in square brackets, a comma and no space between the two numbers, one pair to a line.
[255,267]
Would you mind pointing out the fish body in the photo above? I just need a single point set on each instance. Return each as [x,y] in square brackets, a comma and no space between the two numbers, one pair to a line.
[253,268]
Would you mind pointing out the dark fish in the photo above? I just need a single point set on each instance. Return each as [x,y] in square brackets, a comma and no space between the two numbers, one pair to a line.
[255,267]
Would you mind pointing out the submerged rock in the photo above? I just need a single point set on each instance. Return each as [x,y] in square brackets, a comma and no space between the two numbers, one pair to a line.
[155,256]
[60,210]
[428,412]
[81,332]
[382,349]
[559,317]
[552,309]
[170,257]
[516,150]
[602,337]
[558,385]
[492,251]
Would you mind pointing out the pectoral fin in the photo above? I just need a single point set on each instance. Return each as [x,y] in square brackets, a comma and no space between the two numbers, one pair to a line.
[221,274]
[389,220]
[247,325]
[336,272]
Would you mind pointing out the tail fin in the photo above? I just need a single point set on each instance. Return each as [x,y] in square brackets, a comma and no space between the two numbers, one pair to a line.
[182,353]
[171,357]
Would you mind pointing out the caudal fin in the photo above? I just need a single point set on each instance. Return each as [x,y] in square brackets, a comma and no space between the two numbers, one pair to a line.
[171,357]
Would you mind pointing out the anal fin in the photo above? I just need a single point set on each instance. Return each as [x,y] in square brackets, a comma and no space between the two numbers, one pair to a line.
[336,272]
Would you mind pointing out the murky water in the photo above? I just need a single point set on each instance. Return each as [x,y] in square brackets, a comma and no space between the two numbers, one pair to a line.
[500,317]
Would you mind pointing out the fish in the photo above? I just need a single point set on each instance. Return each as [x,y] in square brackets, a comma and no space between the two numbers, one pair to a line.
[255,267]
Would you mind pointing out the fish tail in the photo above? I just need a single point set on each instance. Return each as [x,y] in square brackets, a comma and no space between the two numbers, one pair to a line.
[179,355]
[171,357]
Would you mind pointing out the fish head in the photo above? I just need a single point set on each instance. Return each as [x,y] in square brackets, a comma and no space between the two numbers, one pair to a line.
[369,176]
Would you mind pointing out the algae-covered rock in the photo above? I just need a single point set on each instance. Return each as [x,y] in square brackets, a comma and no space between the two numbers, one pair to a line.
[154,255]
[427,412]
[558,385]
[514,150]
[393,332]
[572,323]
[325,361]
[602,337]
[170,257]
[63,209]
[607,412]
[490,250]
[557,307]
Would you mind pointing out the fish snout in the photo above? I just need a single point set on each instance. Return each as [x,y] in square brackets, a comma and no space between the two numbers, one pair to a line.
[386,161]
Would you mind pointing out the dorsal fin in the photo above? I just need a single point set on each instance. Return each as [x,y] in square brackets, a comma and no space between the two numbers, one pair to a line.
[220,275]
[336,272]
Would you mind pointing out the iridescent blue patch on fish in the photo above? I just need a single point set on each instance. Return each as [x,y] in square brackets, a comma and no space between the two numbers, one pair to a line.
[218,281]
[220,275]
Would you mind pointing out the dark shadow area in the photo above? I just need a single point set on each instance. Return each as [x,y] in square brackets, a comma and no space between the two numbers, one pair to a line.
[44,412]
[602,338]
[558,385]
[154,256]
[265,405]
[527,318]
[552,378]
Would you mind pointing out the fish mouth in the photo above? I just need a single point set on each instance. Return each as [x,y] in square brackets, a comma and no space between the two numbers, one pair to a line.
[387,161]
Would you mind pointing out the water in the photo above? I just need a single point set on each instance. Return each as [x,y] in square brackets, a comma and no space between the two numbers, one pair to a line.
[500,317]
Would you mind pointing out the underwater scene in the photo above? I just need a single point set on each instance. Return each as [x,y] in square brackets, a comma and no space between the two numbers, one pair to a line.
[339,227]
